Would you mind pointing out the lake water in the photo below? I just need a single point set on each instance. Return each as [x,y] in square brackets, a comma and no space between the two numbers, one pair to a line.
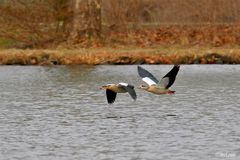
[59,113]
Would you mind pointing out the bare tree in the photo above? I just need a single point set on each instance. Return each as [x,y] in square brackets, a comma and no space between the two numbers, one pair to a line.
[39,23]
[86,22]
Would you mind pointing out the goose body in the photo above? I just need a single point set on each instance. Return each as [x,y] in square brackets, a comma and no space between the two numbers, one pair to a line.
[113,89]
[155,86]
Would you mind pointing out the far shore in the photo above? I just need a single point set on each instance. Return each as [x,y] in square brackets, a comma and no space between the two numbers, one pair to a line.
[111,56]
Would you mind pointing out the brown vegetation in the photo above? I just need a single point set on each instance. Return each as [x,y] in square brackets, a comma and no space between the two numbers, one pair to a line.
[120,32]
[34,23]
[121,56]
[50,23]
[171,11]
[184,35]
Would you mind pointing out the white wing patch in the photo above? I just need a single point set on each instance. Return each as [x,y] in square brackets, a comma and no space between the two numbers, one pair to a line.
[123,84]
[148,81]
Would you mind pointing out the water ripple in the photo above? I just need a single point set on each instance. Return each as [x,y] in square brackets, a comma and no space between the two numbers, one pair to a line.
[59,113]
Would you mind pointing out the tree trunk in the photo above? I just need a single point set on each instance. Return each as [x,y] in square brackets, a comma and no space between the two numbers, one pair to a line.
[86,22]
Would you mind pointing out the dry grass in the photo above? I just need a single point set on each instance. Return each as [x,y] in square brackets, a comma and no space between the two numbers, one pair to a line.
[165,11]
[193,35]
[158,55]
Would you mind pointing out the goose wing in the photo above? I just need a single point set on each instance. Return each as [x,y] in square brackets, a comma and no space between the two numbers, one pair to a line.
[111,96]
[170,77]
[147,76]
[130,89]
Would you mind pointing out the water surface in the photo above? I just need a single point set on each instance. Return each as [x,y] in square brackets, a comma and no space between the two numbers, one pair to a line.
[59,113]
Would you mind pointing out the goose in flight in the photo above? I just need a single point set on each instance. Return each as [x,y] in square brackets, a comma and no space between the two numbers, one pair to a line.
[155,86]
[113,89]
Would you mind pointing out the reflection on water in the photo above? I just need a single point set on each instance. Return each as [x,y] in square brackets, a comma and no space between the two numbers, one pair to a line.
[59,113]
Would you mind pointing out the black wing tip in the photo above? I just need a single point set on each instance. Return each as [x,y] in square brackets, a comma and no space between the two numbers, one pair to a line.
[135,98]
[110,102]
[134,95]
[139,68]
[111,96]
[177,66]
[131,91]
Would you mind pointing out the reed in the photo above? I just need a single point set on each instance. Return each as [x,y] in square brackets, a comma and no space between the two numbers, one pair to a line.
[160,55]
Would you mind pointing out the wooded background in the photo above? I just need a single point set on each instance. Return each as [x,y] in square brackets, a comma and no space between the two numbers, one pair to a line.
[43,23]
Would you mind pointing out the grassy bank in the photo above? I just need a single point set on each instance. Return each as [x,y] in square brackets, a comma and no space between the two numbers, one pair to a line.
[157,55]
[165,44]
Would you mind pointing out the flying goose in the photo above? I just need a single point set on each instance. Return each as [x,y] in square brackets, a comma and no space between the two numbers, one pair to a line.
[155,86]
[113,89]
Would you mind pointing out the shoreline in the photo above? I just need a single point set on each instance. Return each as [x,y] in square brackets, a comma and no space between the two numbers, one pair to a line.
[111,56]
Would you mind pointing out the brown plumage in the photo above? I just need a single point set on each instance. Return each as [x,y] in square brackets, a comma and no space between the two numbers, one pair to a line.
[156,87]
[113,89]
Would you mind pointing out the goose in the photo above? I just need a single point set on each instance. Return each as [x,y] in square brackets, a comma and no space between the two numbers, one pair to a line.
[155,86]
[113,89]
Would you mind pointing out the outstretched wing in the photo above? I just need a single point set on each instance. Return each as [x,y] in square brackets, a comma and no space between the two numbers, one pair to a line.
[111,96]
[130,89]
[170,77]
[147,76]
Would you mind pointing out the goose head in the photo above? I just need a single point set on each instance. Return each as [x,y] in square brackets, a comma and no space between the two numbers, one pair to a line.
[104,87]
[144,87]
